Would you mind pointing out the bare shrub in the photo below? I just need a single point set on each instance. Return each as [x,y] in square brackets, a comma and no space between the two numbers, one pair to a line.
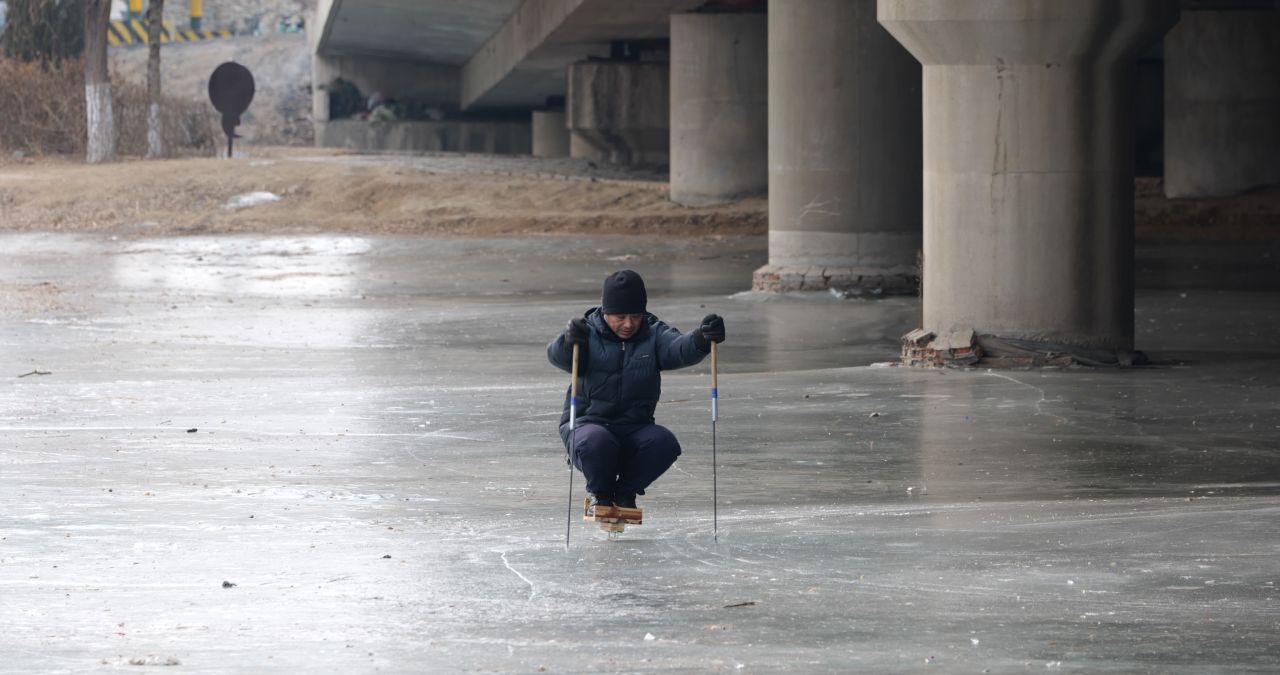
[46,31]
[42,108]
[188,128]
[42,112]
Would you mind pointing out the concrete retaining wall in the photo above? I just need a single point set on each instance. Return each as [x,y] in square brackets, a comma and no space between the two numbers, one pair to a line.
[501,138]
[399,79]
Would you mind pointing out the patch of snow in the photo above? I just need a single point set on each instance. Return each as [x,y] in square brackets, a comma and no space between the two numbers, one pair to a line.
[250,199]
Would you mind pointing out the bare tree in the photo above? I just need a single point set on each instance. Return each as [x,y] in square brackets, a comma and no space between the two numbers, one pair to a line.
[97,83]
[47,31]
[155,19]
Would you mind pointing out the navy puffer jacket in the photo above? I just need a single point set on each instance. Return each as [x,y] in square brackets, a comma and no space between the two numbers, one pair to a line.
[622,381]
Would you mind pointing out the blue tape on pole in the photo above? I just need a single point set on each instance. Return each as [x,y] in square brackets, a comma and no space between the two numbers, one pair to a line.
[713,392]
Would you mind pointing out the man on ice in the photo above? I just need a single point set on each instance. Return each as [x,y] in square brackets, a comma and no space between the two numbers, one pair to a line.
[623,350]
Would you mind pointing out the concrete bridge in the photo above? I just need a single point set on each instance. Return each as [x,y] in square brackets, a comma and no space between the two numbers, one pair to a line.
[983,151]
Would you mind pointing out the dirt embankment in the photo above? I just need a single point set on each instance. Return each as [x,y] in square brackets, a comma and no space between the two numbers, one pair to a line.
[331,191]
[1254,216]
[319,192]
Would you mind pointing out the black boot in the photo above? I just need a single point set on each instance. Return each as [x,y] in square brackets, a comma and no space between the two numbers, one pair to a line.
[626,501]
[603,499]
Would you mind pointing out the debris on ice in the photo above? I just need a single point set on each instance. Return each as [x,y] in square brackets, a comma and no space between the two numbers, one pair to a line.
[153,660]
[250,199]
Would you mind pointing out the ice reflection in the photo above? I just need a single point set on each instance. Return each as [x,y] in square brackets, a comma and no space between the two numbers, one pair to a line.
[321,266]
[200,283]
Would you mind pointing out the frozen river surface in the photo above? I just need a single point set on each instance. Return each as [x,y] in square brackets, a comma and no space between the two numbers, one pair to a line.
[337,454]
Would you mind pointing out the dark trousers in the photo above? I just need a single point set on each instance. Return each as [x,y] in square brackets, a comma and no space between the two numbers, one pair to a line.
[622,459]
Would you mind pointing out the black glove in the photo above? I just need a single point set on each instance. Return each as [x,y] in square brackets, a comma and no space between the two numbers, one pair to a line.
[712,328]
[577,332]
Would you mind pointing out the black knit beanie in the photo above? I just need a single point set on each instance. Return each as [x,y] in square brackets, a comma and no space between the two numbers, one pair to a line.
[623,293]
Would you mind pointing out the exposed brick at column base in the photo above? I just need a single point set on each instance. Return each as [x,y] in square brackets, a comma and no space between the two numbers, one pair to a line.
[924,349]
[841,280]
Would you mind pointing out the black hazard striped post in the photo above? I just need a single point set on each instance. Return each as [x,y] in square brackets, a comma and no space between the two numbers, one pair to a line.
[129,32]
[133,32]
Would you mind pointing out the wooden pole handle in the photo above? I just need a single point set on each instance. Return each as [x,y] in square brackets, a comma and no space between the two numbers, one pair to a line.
[574,386]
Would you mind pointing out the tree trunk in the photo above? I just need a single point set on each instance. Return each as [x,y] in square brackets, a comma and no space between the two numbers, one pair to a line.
[155,19]
[97,83]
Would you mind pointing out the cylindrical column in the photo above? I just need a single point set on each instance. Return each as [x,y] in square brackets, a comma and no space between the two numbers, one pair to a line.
[1028,164]
[1222,103]
[550,135]
[844,151]
[719,106]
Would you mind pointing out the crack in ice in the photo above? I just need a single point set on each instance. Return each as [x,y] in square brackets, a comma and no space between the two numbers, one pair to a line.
[1044,398]
[532,589]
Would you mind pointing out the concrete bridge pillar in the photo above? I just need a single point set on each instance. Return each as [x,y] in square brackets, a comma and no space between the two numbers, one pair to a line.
[844,151]
[550,135]
[719,104]
[620,108]
[1028,164]
[1222,103]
